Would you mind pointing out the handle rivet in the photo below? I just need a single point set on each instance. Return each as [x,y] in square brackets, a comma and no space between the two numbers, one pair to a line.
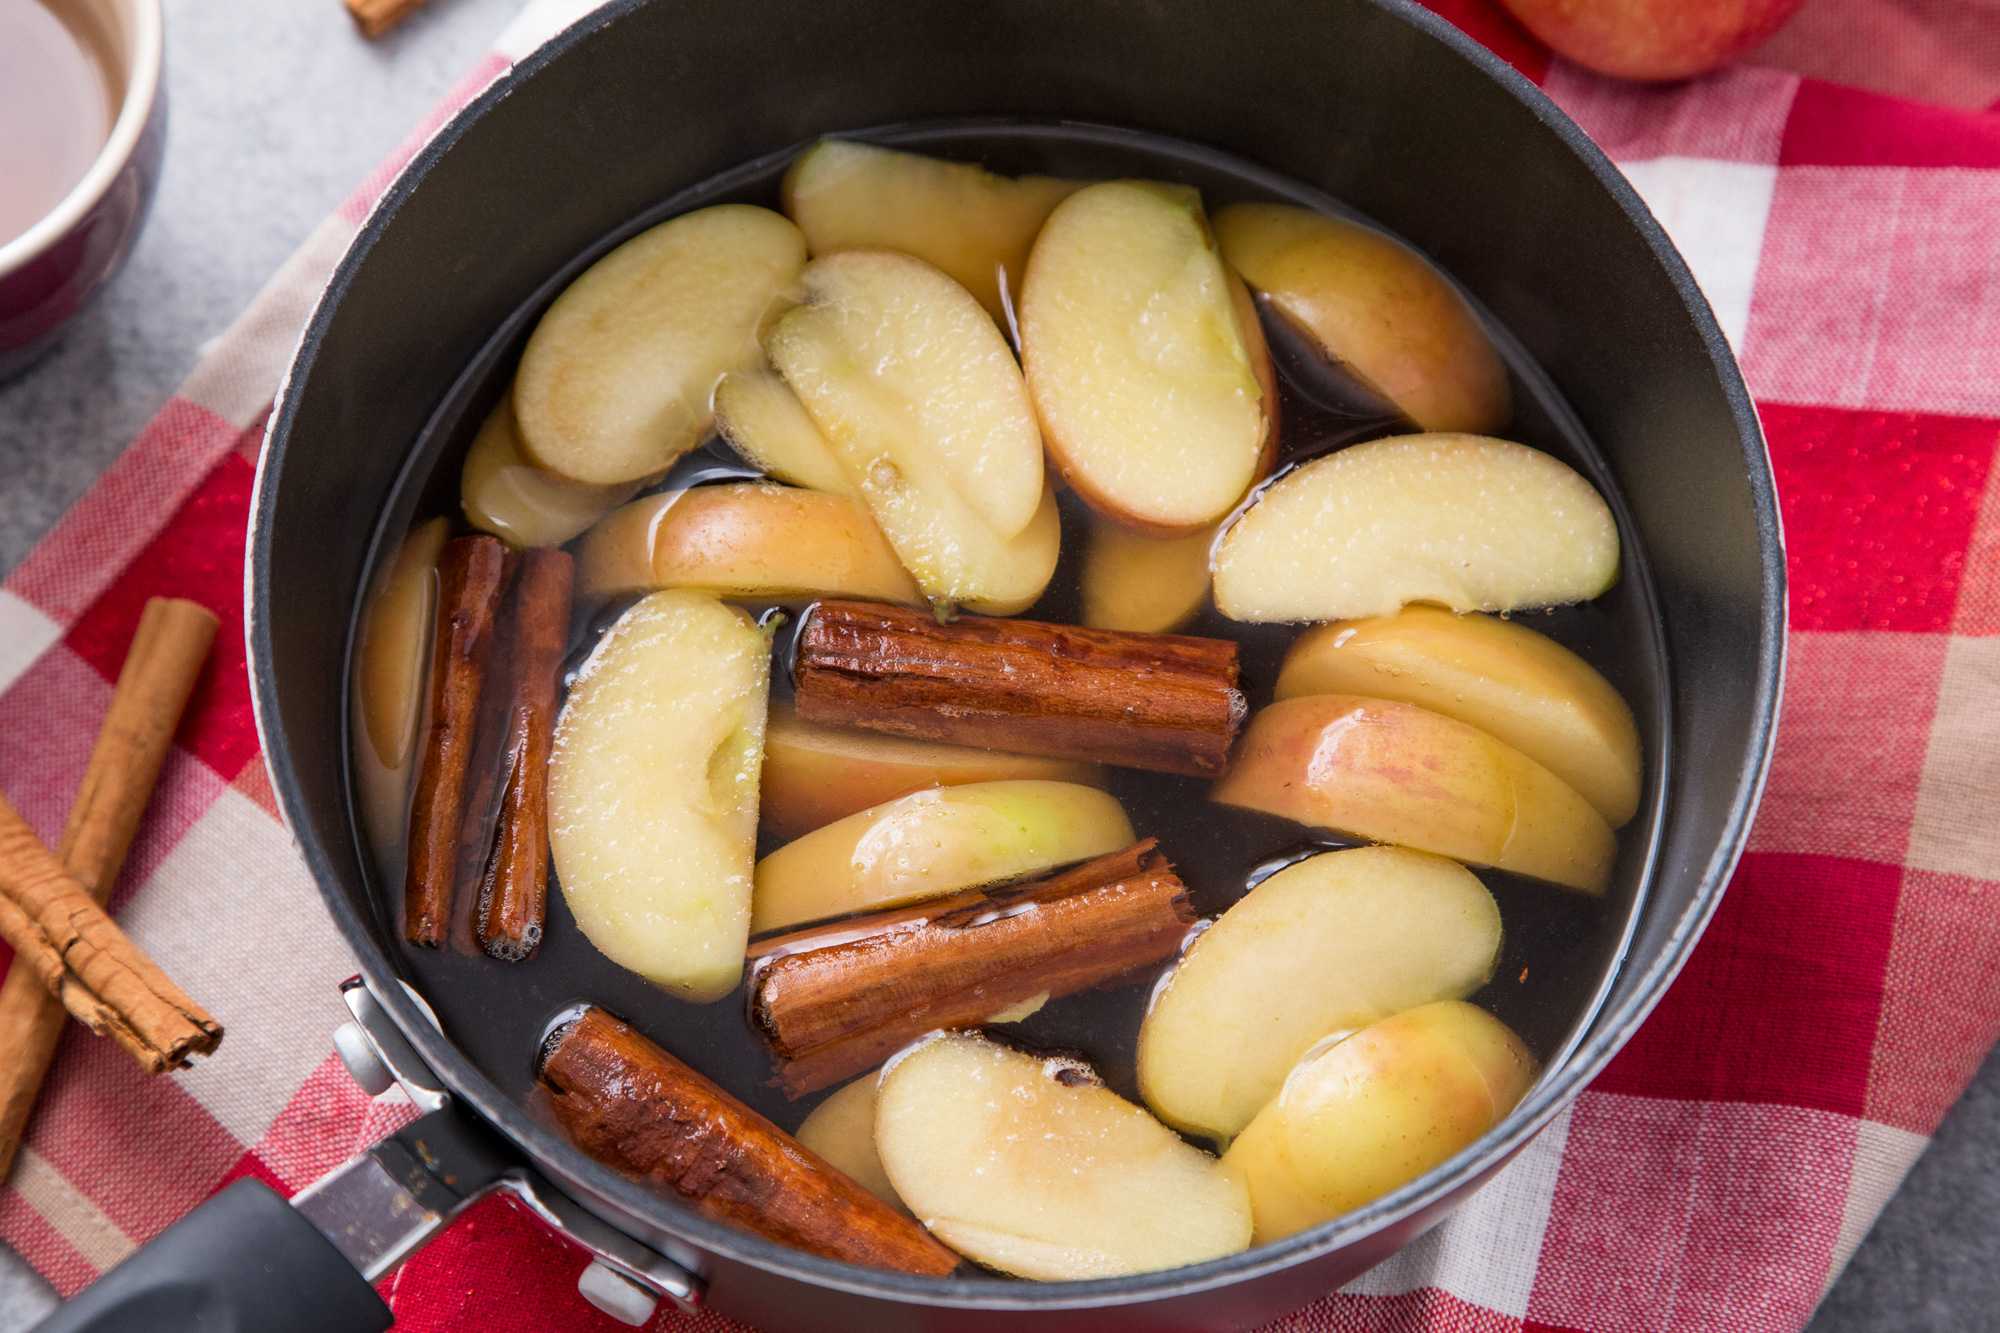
[364,1066]
[617,1295]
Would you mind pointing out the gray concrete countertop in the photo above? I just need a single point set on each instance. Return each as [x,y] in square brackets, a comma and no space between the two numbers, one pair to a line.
[276,112]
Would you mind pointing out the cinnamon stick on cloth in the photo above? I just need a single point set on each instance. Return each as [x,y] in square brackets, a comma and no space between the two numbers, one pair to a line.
[159,674]
[1166,702]
[636,1108]
[63,937]
[843,997]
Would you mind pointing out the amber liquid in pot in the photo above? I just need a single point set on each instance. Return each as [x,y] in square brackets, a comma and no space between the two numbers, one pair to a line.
[1560,947]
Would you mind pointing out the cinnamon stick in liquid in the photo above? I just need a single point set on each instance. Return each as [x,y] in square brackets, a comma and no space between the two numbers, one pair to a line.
[472,574]
[1165,702]
[634,1107]
[513,884]
[837,999]
[161,667]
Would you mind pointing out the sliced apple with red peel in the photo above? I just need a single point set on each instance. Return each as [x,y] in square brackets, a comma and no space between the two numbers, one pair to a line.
[389,683]
[1152,585]
[841,1129]
[652,791]
[1467,522]
[815,774]
[1498,675]
[616,380]
[1032,1166]
[1394,772]
[503,493]
[1330,944]
[935,842]
[969,222]
[750,540]
[763,420]
[1144,358]
[919,398]
[1375,306]
[1362,1114]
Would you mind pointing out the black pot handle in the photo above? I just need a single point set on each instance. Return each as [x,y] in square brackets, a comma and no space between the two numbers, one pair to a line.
[244,1262]
[247,1261]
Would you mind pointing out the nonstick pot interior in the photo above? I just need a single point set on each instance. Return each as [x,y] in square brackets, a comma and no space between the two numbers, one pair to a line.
[1377,104]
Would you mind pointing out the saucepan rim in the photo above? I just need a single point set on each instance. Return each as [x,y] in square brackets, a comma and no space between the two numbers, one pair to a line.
[624,1203]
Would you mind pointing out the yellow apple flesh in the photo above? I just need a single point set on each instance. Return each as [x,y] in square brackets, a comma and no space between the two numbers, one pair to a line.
[815,774]
[1397,773]
[503,493]
[1376,306]
[616,379]
[918,396]
[1143,355]
[1031,1166]
[1151,585]
[750,540]
[1362,1115]
[762,419]
[963,219]
[389,685]
[1467,522]
[1497,675]
[652,791]
[1331,944]
[935,842]
[841,1129]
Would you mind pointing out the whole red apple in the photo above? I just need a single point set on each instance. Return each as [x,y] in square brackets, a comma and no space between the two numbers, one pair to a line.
[1652,39]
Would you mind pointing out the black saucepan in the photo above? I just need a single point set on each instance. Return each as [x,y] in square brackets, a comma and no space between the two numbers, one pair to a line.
[649,107]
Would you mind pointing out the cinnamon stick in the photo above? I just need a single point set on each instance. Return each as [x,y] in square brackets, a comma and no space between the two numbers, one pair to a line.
[65,939]
[375,17]
[634,1107]
[835,1000]
[159,674]
[1166,702]
[514,886]
[471,577]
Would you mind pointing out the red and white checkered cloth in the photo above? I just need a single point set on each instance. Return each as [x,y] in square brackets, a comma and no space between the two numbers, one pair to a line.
[1722,1170]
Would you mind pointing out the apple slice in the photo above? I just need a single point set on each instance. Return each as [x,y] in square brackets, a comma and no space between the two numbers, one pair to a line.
[503,493]
[935,842]
[1498,675]
[1470,523]
[389,682]
[970,223]
[762,419]
[652,791]
[1376,307]
[1394,772]
[616,378]
[842,1130]
[815,774]
[1152,585]
[1032,1166]
[1331,944]
[1364,1113]
[1145,360]
[750,540]
[919,397]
